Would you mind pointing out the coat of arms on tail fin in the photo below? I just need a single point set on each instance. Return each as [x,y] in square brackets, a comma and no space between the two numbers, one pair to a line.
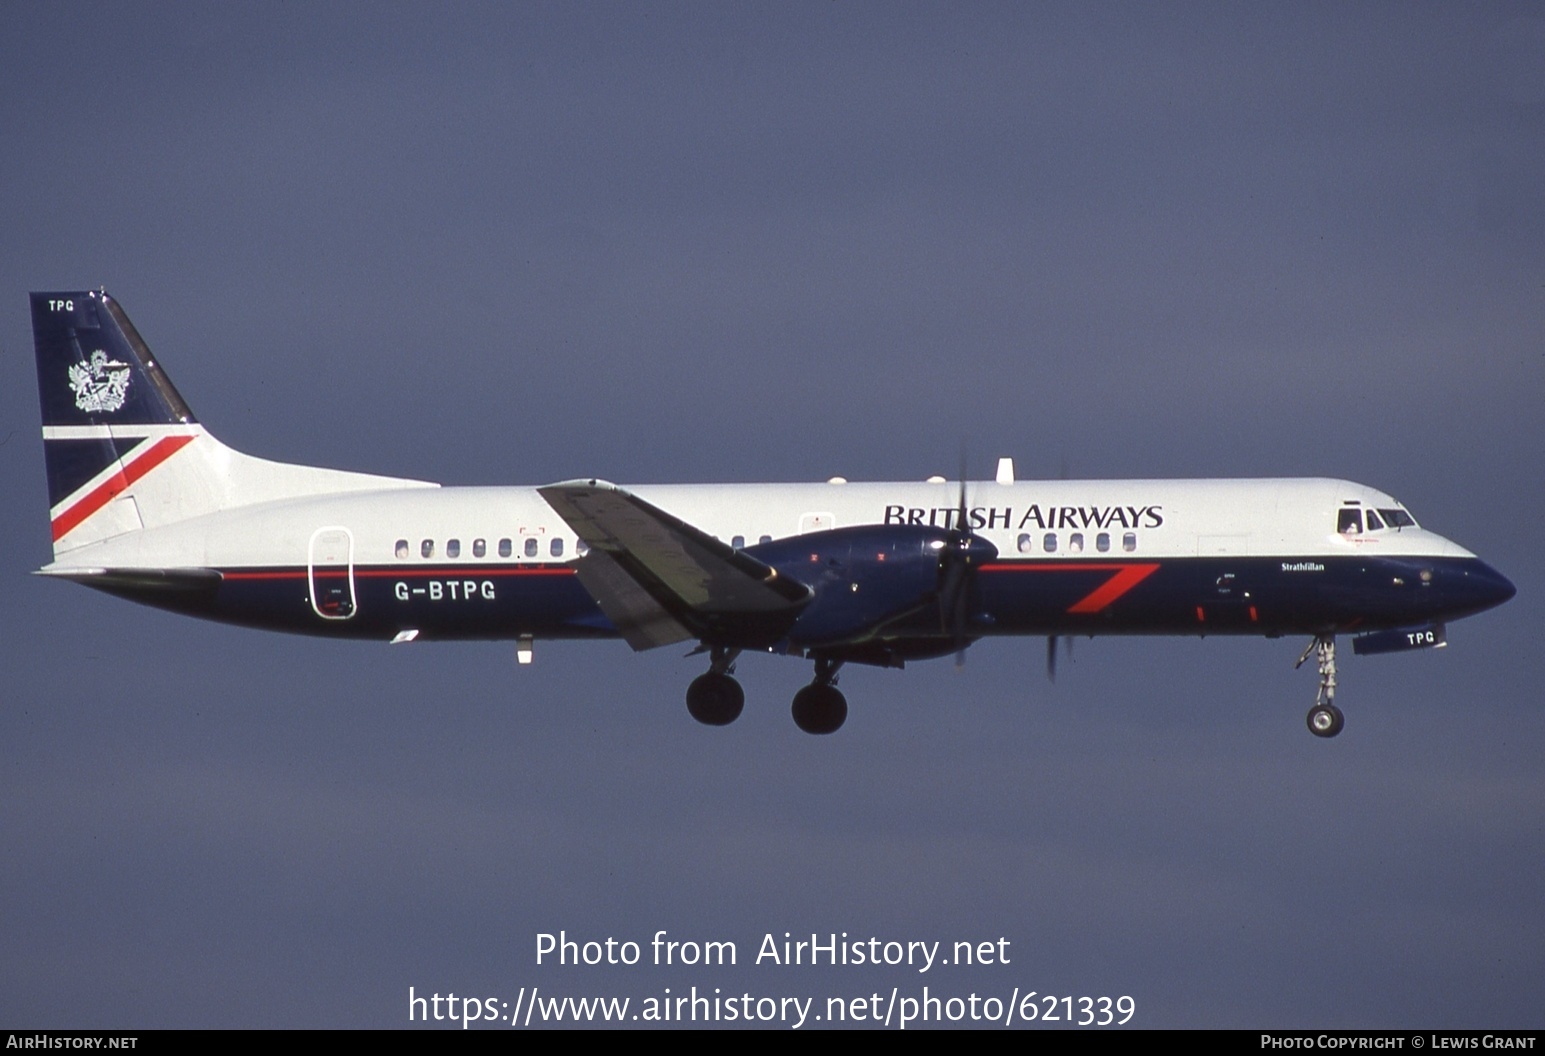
[99,385]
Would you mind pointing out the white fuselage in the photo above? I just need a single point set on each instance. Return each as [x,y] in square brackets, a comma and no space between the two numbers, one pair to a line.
[1159,519]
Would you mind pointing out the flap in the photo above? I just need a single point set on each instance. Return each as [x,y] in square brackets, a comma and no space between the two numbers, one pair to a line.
[648,569]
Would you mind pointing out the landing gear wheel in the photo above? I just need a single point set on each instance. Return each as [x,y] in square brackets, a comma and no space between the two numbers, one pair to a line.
[820,708]
[1325,720]
[715,700]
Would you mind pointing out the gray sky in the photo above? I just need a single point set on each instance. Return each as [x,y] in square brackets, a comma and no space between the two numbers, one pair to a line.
[515,244]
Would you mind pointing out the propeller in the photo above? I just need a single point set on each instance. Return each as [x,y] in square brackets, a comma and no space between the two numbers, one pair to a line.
[1051,641]
[963,551]
[1051,655]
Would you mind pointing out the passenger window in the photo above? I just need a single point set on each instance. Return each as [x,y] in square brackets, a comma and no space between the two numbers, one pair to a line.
[1102,542]
[453,548]
[556,549]
[1024,542]
[738,542]
[505,549]
[479,548]
[531,546]
[402,549]
[1076,543]
[1129,542]
[765,539]
[1350,522]
[427,548]
[1049,544]
[1374,524]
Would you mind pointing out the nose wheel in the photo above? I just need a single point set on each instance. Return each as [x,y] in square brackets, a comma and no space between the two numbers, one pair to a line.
[820,707]
[1325,719]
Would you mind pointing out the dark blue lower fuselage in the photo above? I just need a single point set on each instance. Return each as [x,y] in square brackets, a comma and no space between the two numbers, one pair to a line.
[1179,596]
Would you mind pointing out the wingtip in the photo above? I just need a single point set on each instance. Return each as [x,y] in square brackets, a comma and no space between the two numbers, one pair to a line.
[583,484]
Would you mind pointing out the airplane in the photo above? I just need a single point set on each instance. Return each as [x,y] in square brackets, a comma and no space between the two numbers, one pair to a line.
[145,504]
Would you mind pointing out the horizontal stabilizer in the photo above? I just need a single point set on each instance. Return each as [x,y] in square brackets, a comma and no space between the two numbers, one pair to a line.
[139,580]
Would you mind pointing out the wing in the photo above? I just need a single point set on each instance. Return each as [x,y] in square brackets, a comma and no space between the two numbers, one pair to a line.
[660,580]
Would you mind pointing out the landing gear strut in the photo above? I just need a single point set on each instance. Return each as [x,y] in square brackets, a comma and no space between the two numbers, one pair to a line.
[1325,719]
[716,699]
[820,707]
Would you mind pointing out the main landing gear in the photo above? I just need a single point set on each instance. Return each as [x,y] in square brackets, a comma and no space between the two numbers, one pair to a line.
[1325,719]
[820,707]
[716,699]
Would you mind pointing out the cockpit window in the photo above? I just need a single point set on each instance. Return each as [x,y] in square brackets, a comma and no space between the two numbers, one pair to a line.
[1374,524]
[1398,518]
[1350,522]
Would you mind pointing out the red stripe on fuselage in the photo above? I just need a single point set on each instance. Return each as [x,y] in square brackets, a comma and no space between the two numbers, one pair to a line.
[446,572]
[1123,578]
[118,483]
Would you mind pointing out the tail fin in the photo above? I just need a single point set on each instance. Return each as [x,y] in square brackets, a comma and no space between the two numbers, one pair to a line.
[93,367]
[111,417]
[110,414]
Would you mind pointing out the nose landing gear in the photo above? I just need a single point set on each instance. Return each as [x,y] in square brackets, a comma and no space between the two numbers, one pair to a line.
[1325,719]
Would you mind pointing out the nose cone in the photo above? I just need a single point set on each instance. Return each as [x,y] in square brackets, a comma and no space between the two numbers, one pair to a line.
[1500,587]
[1476,587]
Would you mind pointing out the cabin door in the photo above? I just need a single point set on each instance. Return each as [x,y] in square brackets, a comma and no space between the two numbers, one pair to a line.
[330,573]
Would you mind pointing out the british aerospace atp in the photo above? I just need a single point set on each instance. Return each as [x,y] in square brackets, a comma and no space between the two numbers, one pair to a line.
[147,505]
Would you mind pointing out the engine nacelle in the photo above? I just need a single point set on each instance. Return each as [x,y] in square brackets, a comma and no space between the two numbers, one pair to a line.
[862,578]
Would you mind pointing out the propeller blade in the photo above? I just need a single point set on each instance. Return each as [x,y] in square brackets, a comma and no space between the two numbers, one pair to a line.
[1051,654]
[961,515]
[962,600]
[951,579]
[962,552]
